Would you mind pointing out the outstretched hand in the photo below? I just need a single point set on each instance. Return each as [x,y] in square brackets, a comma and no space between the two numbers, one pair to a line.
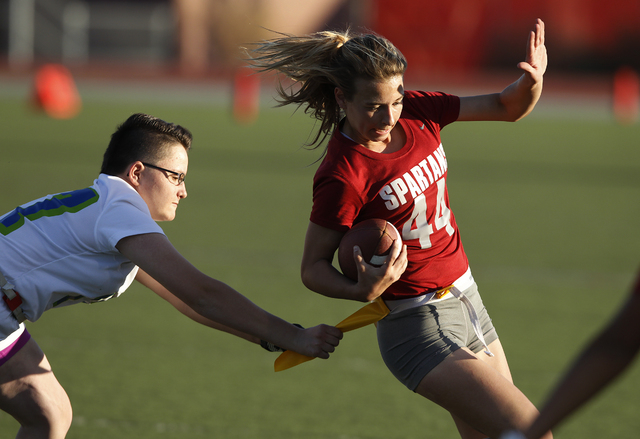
[535,63]
[318,341]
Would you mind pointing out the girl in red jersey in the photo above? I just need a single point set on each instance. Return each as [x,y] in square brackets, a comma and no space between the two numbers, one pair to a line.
[385,160]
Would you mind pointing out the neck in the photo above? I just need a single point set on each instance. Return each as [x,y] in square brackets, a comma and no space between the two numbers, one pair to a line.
[392,143]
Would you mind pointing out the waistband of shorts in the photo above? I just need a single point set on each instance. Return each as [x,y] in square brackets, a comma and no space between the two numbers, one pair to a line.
[455,290]
[12,344]
[11,338]
[462,283]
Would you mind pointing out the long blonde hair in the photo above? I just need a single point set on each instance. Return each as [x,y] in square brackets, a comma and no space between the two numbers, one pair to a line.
[322,61]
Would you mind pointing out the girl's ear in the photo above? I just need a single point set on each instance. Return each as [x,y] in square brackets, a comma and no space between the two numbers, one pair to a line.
[134,173]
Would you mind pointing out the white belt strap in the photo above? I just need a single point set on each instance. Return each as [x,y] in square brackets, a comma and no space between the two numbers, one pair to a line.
[397,306]
[462,283]
[473,316]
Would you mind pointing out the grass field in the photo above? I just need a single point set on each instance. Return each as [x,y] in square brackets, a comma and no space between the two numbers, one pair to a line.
[549,210]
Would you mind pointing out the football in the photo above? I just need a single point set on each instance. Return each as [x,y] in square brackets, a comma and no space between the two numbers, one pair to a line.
[374,237]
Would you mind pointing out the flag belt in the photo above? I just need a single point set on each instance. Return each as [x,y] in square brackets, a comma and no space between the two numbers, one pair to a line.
[370,313]
[379,309]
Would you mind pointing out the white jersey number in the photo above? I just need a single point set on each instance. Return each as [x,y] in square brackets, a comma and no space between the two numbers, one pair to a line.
[418,226]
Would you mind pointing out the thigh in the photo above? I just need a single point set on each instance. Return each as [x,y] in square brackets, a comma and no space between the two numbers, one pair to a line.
[29,391]
[415,341]
[478,393]
[498,361]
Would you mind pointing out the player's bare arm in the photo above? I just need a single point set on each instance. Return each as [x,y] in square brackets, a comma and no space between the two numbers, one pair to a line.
[216,301]
[610,353]
[178,304]
[518,99]
[319,275]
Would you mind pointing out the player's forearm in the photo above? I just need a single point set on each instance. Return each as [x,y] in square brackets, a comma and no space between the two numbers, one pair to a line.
[187,311]
[519,98]
[226,308]
[581,384]
[600,363]
[323,278]
[219,326]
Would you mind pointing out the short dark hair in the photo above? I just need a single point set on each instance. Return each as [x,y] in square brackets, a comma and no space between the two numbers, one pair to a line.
[142,137]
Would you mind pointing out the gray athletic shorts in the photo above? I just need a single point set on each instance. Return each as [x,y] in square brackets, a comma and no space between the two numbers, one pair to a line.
[414,341]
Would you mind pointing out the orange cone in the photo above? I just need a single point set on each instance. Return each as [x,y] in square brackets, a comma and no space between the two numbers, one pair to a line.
[626,95]
[246,96]
[56,93]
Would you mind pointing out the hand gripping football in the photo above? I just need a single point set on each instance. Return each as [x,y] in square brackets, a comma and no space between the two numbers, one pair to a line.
[374,237]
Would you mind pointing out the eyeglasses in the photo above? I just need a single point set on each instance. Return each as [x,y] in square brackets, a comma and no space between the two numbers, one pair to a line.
[174,177]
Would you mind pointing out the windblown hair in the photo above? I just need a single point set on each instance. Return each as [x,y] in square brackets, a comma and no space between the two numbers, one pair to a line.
[142,137]
[322,61]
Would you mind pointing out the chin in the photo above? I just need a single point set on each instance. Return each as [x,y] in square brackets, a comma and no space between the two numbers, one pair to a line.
[379,137]
[161,218]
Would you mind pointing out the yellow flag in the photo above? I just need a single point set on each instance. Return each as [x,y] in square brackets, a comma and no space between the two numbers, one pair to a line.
[366,315]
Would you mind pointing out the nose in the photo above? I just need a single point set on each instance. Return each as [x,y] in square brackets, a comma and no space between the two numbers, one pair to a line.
[182,192]
[388,116]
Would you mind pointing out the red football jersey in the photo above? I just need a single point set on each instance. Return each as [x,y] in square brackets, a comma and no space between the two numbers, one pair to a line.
[407,188]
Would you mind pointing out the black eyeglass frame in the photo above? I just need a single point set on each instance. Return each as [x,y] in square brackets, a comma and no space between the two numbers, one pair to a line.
[180,175]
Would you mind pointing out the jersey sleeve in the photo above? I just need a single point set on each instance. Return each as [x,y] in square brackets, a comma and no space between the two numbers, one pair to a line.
[433,107]
[336,202]
[125,216]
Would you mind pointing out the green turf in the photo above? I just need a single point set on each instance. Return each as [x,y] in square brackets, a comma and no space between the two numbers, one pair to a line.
[548,209]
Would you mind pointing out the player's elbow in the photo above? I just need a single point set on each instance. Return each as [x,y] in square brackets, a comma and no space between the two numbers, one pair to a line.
[516,116]
[313,276]
[517,109]
[306,276]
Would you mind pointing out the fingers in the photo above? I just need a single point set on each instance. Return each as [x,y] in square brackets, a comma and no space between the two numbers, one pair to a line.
[331,334]
[327,338]
[540,33]
[536,39]
[335,332]
[535,63]
[360,262]
[397,259]
[326,350]
[532,44]
[402,258]
[396,248]
[357,255]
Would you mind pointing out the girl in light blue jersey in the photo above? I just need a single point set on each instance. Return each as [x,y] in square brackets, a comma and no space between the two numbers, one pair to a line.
[90,244]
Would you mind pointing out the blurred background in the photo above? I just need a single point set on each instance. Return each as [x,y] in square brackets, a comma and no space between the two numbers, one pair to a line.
[454,42]
[548,207]
[202,36]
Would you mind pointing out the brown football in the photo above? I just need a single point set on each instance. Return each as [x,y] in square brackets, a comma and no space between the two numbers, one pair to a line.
[374,237]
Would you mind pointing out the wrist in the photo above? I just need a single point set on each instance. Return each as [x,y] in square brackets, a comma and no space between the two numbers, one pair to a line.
[272,347]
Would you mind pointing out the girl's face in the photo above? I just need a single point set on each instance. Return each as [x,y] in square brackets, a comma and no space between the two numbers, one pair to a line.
[158,188]
[373,111]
